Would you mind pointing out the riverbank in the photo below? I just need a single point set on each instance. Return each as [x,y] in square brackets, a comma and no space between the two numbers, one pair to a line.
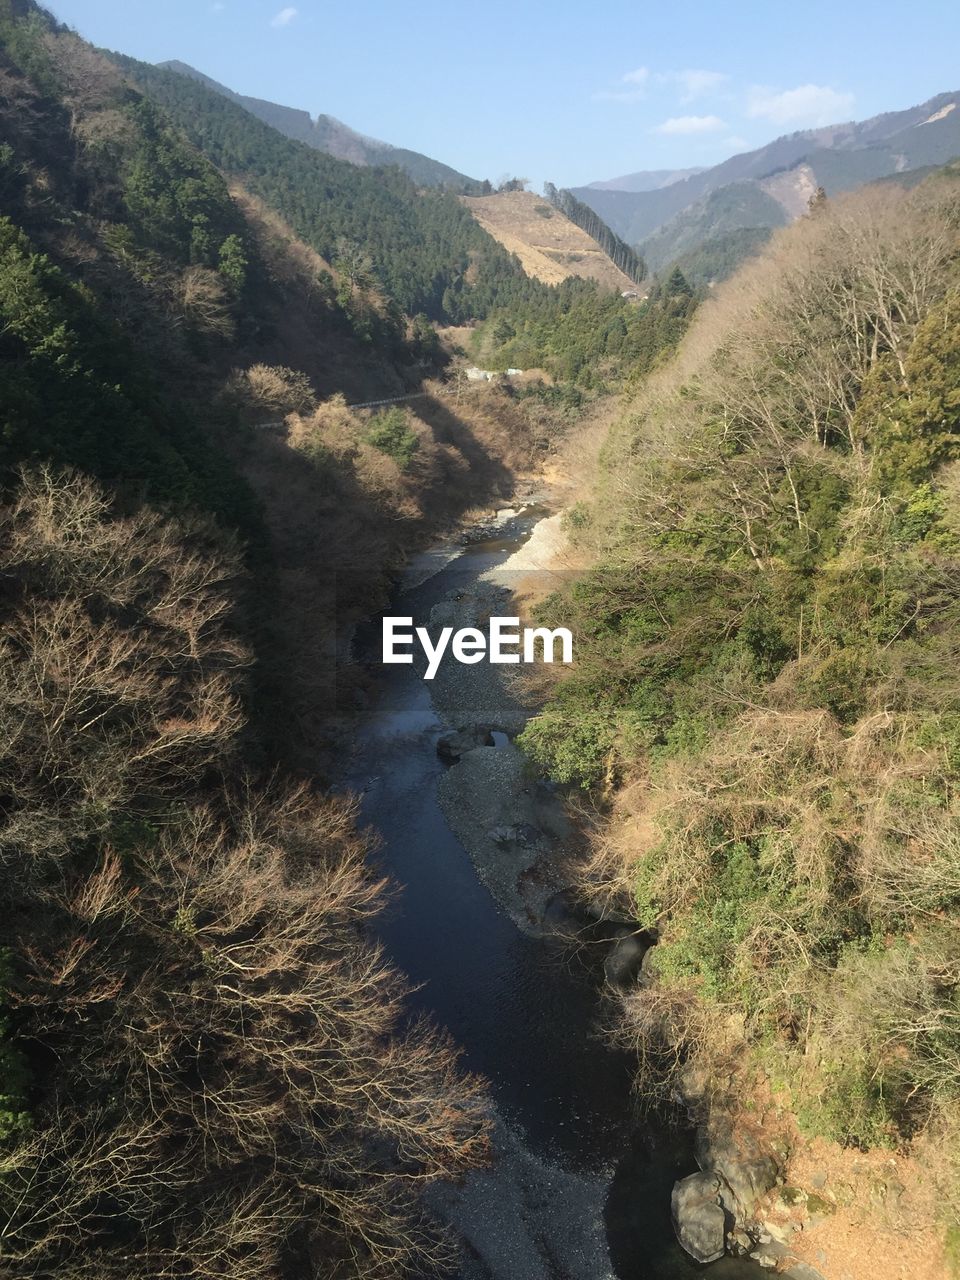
[579,1189]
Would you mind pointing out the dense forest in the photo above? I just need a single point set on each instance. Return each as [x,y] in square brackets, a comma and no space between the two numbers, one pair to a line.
[766,707]
[584,334]
[422,245]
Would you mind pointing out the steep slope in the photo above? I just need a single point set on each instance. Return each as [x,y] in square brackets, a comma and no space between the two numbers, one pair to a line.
[739,206]
[422,247]
[205,1067]
[767,659]
[838,158]
[549,246]
[332,136]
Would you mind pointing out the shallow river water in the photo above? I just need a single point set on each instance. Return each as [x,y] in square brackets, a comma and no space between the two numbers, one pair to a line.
[581,1186]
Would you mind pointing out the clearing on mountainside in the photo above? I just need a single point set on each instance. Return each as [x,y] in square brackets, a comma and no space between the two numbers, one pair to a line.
[550,247]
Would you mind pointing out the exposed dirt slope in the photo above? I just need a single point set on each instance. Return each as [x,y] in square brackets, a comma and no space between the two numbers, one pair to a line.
[550,247]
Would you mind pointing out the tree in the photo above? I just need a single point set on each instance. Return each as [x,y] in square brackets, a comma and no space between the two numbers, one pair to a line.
[233,263]
[677,285]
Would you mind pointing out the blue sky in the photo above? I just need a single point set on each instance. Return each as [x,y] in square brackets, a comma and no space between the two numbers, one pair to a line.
[569,92]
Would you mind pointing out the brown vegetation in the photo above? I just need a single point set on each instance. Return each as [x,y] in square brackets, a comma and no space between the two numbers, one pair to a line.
[224,1084]
[769,723]
[550,247]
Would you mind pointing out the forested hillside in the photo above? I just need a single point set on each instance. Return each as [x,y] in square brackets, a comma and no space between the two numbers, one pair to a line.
[424,248]
[325,133]
[766,705]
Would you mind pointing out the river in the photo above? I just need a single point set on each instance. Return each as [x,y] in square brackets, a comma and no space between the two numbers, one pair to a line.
[580,1189]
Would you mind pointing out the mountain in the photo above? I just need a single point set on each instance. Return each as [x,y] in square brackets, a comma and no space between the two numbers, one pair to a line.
[333,137]
[645,180]
[774,182]
[423,247]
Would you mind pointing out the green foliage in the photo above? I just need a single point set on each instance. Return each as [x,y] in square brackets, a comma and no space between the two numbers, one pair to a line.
[573,742]
[421,244]
[390,432]
[953,1248]
[178,205]
[22,37]
[585,334]
[75,392]
[233,263]
[911,421]
[721,255]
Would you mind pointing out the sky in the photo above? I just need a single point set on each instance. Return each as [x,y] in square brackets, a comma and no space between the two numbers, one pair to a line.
[565,92]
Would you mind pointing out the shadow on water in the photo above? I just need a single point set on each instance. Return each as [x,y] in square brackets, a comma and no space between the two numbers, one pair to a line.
[524,1011]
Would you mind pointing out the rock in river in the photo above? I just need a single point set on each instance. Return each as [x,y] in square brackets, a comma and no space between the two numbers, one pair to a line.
[458,742]
[698,1216]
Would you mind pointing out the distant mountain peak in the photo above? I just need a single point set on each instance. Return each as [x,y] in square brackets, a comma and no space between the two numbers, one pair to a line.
[646,180]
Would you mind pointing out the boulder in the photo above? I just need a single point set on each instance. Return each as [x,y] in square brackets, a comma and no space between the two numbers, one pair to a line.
[802,1271]
[738,1157]
[520,834]
[772,1254]
[698,1217]
[457,743]
[623,960]
[562,915]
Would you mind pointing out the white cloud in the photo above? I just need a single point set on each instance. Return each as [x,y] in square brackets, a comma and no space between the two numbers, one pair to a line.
[284,17]
[678,125]
[694,83]
[637,80]
[808,104]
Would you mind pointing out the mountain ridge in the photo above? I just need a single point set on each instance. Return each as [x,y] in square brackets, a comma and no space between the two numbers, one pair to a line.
[646,179]
[332,136]
[837,157]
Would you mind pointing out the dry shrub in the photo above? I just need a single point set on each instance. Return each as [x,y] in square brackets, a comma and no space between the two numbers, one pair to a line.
[204,302]
[795,781]
[767,775]
[772,368]
[329,426]
[686,1049]
[263,1098]
[908,853]
[118,671]
[264,394]
[225,1080]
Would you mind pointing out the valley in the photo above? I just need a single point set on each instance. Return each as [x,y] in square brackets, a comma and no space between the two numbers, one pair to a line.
[495,827]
